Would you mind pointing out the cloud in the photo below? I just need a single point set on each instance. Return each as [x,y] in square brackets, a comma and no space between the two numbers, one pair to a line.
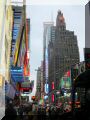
[56,2]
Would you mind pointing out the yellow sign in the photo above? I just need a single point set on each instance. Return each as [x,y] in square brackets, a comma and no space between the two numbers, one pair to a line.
[1,80]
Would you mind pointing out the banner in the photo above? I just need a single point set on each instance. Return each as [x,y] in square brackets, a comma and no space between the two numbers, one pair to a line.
[10,91]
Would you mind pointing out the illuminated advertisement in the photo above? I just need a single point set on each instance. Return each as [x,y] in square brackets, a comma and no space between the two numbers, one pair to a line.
[27,32]
[65,82]
[53,98]
[16,52]
[25,84]
[46,65]
[46,88]
[21,56]
[15,33]
[17,74]
[22,50]
[26,64]
[53,86]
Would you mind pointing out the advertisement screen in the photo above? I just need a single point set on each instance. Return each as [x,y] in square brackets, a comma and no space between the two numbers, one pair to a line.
[46,88]
[46,64]
[65,82]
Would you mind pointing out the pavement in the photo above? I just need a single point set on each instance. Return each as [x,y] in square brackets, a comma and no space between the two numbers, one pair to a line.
[2,112]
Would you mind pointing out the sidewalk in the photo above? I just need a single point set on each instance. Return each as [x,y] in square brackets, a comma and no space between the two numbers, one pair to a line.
[2,112]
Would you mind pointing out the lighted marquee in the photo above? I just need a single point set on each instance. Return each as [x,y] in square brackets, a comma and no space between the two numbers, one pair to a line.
[65,81]
[46,88]
[16,35]
[53,86]
[53,97]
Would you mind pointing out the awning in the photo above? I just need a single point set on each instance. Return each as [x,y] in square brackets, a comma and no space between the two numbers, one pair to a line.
[83,80]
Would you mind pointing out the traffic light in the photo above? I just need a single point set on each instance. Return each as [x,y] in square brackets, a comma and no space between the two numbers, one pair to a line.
[87,58]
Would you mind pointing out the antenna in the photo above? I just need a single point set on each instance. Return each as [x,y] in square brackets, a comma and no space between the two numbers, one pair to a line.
[52,16]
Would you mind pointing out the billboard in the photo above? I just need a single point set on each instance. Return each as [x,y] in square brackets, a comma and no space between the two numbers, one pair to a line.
[65,82]
[87,58]
[53,97]
[17,74]
[46,88]
[25,84]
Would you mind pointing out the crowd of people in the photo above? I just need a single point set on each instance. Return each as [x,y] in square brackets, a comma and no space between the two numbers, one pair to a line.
[32,111]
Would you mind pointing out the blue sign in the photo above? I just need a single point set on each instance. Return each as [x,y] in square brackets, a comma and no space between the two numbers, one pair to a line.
[17,74]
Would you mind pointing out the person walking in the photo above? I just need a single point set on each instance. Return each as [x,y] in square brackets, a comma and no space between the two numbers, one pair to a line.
[10,112]
[21,111]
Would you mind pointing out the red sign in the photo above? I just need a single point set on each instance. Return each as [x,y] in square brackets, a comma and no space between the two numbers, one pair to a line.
[52,97]
[53,87]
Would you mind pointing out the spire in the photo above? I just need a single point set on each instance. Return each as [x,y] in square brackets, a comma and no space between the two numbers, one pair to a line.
[52,16]
[59,12]
[60,21]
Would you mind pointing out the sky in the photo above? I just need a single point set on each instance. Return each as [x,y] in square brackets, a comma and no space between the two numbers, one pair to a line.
[38,13]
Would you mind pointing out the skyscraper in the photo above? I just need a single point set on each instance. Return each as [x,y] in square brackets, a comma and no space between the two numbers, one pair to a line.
[46,40]
[87,36]
[38,88]
[63,53]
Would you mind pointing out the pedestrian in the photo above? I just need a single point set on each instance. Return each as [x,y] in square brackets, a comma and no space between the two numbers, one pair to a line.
[30,113]
[10,112]
[21,111]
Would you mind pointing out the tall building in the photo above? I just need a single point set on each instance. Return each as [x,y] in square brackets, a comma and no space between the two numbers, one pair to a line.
[87,26]
[17,45]
[8,39]
[2,56]
[46,40]
[87,36]
[38,86]
[2,40]
[63,53]
[42,83]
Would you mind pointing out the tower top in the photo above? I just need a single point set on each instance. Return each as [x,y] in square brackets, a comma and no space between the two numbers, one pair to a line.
[60,21]
[59,12]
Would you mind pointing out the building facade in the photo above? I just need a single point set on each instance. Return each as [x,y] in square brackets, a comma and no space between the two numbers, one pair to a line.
[87,26]
[63,53]
[17,44]
[46,40]
[8,39]
[38,86]
[87,36]
[2,38]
